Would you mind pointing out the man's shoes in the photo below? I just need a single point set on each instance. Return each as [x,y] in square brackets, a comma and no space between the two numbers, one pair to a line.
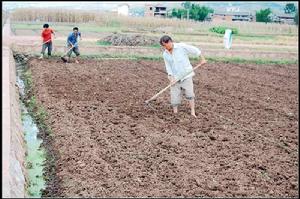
[41,57]
[76,61]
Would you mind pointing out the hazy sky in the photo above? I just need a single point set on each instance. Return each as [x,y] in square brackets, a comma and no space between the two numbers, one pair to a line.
[10,4]
[113,4]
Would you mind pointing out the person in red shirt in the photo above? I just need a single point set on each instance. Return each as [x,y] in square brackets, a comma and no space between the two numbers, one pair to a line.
[47,40]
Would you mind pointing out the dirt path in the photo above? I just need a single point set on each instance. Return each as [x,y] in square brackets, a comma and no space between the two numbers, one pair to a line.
[244,142]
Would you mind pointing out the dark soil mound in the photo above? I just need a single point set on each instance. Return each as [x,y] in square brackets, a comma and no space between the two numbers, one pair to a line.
[130,40]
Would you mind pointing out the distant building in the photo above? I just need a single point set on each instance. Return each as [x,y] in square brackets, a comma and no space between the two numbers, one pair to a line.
[283,18]
[232,16]
[232,9]
[123,9]
[208,17]
[155,10]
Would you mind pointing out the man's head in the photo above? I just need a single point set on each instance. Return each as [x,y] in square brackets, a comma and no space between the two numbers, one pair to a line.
[166,42]
[46,25]
[75,30]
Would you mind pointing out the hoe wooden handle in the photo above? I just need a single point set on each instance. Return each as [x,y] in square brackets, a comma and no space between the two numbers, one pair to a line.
[68,51]
[163,90]
[38,43]
[46,42]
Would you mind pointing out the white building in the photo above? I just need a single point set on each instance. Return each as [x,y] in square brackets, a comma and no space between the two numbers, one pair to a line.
[123,9]
[232,9]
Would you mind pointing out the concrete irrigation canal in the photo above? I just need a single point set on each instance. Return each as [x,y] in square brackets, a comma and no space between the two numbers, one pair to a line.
[35,153]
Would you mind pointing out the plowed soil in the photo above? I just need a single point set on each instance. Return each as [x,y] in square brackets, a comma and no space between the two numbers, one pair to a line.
[107,143]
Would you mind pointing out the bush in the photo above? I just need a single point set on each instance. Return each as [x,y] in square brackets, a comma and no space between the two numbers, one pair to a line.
[263,15]
[221,30]
[196,12]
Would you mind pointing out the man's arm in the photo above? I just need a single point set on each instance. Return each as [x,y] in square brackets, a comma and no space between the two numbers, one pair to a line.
[42,36]
[193,50]
[169,70]
[202,59]
[69,40]
[52,31]
[189,49]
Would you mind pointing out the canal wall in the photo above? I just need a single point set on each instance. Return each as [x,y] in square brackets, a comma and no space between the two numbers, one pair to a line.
[13,143]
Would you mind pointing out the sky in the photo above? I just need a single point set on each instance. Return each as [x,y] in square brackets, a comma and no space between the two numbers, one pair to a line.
[107,5]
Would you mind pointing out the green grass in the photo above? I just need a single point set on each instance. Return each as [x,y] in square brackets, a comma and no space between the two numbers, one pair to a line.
[256,36]
[245,37]
[155,46]
[250,61]
[160,58]
[37,111]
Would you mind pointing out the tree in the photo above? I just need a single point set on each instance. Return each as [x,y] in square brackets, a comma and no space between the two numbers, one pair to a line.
[179,13]
[174,12]
[194,12]
[200,13]
[263,15]
[289,8]
[186,5]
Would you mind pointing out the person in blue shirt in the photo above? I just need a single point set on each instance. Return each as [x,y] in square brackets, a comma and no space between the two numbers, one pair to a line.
[72,45]
[180,69]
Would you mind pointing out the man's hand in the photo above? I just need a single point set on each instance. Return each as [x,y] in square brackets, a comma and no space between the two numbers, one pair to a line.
[70,44]
[171,78]
[203,61]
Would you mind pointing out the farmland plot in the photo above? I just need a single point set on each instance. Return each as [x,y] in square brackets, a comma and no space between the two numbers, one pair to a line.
[244,141]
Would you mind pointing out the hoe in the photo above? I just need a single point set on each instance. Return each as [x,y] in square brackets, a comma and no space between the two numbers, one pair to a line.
[63,56]
[166,88]
[36,44]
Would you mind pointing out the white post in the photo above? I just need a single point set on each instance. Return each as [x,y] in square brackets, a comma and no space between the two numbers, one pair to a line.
[228,38]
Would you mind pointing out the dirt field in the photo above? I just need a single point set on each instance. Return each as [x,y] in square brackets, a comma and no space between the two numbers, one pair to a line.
[28,43]
[32,46]
[109,144]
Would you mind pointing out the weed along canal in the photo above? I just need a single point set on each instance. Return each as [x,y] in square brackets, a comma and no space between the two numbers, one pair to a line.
[35,153]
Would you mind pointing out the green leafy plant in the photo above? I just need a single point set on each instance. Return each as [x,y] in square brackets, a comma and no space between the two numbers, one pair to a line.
[263,15]
[192,11]
[221,29]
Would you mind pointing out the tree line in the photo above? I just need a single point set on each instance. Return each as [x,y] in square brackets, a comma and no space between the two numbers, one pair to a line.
[191,11]
[265,15]
[200,13]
